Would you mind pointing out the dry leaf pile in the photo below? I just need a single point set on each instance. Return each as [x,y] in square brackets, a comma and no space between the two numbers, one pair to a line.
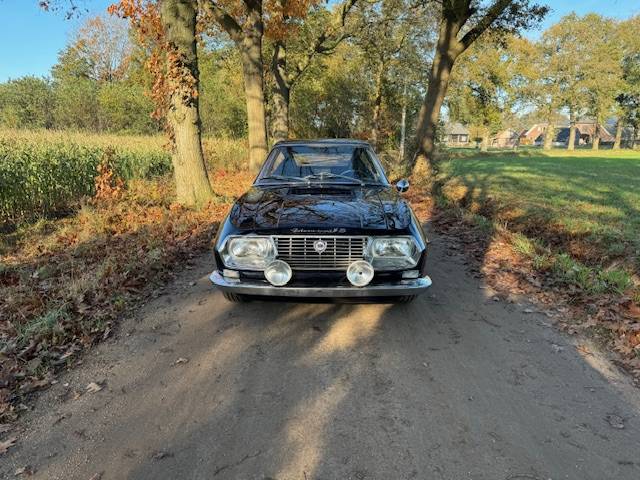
[64,283]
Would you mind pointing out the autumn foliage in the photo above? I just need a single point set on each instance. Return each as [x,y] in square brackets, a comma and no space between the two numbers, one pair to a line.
[64,283]
[144,18]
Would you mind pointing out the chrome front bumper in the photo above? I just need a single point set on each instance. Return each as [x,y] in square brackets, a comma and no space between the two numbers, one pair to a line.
[256,287]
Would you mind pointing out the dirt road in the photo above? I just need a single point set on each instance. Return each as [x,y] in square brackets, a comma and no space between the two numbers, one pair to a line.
[453,386]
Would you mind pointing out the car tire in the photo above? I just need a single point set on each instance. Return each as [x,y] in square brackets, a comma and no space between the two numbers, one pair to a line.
[406,299]
[234,297]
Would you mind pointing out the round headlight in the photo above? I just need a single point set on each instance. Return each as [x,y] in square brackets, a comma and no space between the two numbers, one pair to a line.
[278,273]
[360,273]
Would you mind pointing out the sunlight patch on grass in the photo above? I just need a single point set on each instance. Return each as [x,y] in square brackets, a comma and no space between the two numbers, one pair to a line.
[589,197]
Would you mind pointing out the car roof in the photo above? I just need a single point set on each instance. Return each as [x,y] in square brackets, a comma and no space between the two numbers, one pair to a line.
[323,142]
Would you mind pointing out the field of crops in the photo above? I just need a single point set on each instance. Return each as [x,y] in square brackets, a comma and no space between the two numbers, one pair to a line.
[45,172]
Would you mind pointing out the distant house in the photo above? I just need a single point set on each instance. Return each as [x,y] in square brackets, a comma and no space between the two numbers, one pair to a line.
[505,139]
[456,135]
[562,137]
[626,135]
[529,137]
[585,132]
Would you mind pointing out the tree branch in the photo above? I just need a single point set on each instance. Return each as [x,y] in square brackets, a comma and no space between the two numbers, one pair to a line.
[225,20]
[485,22]
[321,46]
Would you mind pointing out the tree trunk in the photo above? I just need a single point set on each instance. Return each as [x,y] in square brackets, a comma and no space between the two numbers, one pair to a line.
[596,138]
[192,183]
[634,132]
[548,136]
[571,145]
[403,125]
[281,93]
[484,144]
[251,55]
[377,105]
[616,143]
[447,50]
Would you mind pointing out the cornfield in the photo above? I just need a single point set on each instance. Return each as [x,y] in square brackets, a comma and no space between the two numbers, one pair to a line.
[46,172]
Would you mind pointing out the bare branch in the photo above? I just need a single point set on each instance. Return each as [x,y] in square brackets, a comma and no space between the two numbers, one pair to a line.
[326,42]
[485,22]
[224,19]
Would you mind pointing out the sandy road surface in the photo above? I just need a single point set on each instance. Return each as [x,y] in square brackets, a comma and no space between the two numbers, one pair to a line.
[453,386]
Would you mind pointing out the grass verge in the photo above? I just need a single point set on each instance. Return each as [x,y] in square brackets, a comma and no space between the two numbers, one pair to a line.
[569,226]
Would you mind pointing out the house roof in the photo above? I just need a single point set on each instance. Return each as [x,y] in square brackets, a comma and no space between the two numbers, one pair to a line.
[534,131]
[589,128]
[456,129]
[585,127]
[507,134]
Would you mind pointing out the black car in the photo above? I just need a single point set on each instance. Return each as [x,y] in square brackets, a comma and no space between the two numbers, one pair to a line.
[321,220]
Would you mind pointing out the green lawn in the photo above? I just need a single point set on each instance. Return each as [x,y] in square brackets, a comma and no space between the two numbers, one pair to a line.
[583,200]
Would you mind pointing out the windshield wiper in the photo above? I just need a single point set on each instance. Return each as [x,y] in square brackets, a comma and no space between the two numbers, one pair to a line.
[285,178]
[324,175]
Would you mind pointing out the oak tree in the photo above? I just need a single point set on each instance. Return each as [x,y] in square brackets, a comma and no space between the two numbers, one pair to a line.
[462,22]
[169,30]
[295,48]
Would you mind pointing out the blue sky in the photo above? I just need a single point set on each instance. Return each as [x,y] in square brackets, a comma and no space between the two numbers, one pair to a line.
[30,39]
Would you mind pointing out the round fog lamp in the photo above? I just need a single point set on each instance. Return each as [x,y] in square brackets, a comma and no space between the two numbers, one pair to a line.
[360,273]
[278,273]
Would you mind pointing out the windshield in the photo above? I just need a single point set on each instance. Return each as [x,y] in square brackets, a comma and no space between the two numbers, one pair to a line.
[327,164]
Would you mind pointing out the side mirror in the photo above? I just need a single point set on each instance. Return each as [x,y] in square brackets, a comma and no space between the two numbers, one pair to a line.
[402,185]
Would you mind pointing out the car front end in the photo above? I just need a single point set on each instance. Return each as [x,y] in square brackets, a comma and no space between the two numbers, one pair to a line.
[317,265]
[321,235]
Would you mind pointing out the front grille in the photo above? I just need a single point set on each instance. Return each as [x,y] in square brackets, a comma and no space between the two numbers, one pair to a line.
[299,252]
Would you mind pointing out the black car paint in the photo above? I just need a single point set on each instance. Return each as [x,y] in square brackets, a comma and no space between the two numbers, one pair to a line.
[321,209]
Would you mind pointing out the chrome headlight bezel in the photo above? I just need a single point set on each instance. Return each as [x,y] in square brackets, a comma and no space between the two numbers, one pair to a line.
[259,252]
[401,252]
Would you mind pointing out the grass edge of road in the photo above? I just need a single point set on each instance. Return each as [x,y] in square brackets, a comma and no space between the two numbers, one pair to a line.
[602,303]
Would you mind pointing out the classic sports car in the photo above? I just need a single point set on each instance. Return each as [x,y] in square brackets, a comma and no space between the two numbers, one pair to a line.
[321,220]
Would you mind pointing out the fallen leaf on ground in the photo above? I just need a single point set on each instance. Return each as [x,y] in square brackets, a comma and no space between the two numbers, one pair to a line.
[615,421]
[27,470]
[7,444]
[583,349]
[94,387]
[160,455]
[181,360]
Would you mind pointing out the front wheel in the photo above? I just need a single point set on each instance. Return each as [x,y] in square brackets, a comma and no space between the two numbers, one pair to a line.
[234,297]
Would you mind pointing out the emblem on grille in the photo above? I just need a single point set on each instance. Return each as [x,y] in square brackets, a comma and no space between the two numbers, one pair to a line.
[319,246]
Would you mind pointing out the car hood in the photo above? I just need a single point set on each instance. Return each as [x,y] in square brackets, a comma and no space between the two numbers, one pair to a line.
[320,208]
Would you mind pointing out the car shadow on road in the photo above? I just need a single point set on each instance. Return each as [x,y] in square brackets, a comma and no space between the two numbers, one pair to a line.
[390,391]
[454,385]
